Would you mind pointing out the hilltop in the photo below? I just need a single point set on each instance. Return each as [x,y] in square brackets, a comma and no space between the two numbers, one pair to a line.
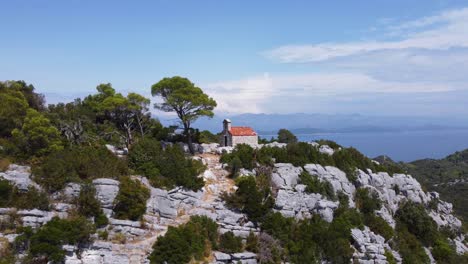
[98,180]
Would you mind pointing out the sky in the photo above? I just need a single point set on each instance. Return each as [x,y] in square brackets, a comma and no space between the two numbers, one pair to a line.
[384,57]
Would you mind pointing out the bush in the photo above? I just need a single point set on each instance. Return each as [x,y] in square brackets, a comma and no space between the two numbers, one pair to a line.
[416,220]
[206,136]
[249,199]
[76,165]
[234,167]
[89,206]
[31,199]
[367,202]
[165,168]
[87,203]
[286,136]
[130,202]
[104,235]
[379,226]
[11,196]
[229,243]
[390,258]
[244,153]
[409,247]
[4,164]
[191,240]
[314,185]
[47,242]
[330,143]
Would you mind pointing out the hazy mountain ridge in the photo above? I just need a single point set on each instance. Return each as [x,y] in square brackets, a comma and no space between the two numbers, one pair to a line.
[321,123]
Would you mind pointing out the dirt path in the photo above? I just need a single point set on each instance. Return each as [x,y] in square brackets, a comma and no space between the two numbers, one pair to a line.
[218,181]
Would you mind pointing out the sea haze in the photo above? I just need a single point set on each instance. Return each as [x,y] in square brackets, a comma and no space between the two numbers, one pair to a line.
[401,138]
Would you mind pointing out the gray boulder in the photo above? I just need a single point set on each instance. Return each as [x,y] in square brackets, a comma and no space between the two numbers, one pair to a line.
[19,176]
[106,191]
[285,175]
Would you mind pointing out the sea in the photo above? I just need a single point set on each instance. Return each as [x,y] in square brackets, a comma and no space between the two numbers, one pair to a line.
[400,146]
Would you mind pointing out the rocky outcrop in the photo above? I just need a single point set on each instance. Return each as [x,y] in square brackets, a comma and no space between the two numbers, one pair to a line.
[370,247]
[243,257]
[106,191]
[325,149]
[35,218]
[395,189]
[131,229]
[335,177]
[285,175]
[107,252]
[301,205]
[19,176]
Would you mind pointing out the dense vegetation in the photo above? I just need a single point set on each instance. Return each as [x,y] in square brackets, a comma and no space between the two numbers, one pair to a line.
[447,176]
[45,244]
[168,167]
[78,164]
[300,154]
[11,196]
[65,143]
[193,240]
[130,202]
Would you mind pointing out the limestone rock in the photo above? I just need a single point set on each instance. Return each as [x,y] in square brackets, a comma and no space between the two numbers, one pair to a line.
[106,191]
[325,149]
[208,148]
[301,205]
[335,177]
[370,247]
[19,176]
[71,191]
[285,175]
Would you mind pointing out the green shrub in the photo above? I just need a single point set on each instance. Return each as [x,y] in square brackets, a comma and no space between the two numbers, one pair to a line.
[250,199]
[31,199]
[309,241]
[286,136]
[11,196]
[101,220]
[191,240]
[379,226]
[104,235]
[252,243]
[244,153]
[87,203]
[229,243]
[314,185]
[330,143]
[409,247]
[416,220]
[165,168]
[206,136]
[4,164]
[234,166]
[130,202]
[366,201]
[76,165]
[89,206]
[390,258]
[47,242]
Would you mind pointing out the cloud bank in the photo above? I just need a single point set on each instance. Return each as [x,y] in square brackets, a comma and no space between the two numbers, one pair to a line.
[419,63]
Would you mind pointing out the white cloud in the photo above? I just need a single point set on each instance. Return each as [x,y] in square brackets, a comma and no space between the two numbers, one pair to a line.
[447,30]
[260,94]
[428,60]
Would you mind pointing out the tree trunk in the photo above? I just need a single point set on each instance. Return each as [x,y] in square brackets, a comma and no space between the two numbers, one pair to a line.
[189,139]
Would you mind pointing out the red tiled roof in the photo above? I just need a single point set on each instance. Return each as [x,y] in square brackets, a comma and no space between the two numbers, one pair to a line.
[242,131]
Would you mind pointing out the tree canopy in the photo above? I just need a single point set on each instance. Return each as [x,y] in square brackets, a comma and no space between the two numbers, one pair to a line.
[181,96]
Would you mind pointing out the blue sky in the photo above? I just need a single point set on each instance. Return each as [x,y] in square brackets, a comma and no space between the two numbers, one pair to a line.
[367,57]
